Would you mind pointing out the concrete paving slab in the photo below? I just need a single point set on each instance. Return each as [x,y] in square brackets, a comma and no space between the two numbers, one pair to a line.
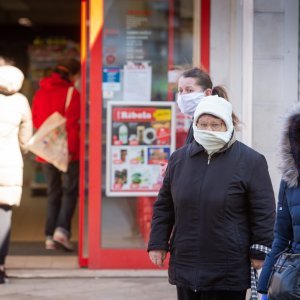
[85,273]
[88,289]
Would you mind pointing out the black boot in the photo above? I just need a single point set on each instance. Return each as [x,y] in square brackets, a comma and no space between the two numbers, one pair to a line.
[3,276]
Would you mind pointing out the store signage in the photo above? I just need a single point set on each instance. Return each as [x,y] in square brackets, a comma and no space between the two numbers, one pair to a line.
[111,80]
[137,75]
[140,137]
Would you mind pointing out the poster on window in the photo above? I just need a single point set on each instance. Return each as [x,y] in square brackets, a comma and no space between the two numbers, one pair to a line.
[140,137]
[137,32]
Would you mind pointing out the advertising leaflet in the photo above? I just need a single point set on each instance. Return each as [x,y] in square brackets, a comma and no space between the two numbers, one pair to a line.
[140,137]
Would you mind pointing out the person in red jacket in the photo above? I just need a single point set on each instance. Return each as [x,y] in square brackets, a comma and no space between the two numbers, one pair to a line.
[62,188]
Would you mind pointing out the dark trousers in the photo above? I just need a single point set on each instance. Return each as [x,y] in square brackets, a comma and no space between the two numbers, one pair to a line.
[62,191]
[5,228]
[186,294]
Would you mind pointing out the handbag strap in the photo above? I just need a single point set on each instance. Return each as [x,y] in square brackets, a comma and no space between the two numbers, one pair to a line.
[69,97]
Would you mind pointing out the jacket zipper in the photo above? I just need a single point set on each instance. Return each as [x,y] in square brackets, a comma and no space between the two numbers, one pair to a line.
[208,162]
[209,158]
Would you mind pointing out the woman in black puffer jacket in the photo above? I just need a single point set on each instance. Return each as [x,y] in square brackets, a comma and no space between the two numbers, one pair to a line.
[215,203]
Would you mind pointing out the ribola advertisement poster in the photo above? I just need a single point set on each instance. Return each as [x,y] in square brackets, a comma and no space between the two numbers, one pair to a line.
[140,137]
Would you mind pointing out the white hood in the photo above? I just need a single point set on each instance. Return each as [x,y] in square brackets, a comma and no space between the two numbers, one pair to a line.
[11,78]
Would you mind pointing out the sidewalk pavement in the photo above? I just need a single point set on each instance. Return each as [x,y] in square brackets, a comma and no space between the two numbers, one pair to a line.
[59,278]
[84,284]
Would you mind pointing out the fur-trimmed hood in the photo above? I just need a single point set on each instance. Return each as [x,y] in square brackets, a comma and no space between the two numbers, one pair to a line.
[290,147]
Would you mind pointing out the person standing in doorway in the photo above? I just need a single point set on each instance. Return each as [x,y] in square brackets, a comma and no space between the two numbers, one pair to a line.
[62,188]
[15,132]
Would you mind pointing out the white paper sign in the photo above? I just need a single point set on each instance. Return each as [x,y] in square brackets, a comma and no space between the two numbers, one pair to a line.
[137,82]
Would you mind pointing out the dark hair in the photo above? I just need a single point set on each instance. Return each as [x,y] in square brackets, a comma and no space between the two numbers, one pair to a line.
[67,68]
[203,79]
[6,61]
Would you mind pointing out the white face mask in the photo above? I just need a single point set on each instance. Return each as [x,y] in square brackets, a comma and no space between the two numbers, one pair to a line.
[187,103]
[212,141]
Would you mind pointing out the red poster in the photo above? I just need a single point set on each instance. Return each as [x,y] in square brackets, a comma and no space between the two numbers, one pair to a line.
[140,138]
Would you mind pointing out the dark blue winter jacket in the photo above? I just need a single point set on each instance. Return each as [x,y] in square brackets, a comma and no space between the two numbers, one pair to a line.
[287,226]
[288,205]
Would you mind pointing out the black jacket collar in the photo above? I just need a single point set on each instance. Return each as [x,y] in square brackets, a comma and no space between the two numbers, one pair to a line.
[195,148]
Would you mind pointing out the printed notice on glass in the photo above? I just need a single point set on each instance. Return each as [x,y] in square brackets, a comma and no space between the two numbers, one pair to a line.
[137,81]
[140,137]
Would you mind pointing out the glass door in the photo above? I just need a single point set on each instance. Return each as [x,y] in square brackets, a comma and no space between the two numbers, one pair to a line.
[136,50]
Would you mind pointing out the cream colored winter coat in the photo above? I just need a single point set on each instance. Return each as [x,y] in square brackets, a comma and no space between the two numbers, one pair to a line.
[15,131]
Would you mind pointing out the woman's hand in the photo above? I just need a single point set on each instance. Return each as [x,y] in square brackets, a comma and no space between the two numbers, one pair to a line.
[157,257]
[257,264]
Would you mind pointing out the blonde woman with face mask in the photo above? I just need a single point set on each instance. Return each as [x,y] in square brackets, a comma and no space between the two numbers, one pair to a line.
[215,210]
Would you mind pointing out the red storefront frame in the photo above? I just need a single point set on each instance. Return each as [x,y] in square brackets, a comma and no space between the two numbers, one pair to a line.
[92,20]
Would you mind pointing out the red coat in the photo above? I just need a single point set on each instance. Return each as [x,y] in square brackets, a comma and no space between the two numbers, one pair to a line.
[51,97]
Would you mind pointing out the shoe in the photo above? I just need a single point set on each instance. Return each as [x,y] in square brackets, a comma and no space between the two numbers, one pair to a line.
[62,240]
[3,277]
[50,244]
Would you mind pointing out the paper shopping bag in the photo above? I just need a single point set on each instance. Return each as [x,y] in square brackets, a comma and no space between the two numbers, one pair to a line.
[50,142]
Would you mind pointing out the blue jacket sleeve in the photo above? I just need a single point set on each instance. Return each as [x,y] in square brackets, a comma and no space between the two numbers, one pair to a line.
[282,236]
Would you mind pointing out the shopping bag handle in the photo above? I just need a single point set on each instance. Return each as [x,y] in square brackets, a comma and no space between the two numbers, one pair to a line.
[69,97]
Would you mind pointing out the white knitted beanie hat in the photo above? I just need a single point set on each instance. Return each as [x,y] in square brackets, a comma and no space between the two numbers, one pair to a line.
[216,106]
